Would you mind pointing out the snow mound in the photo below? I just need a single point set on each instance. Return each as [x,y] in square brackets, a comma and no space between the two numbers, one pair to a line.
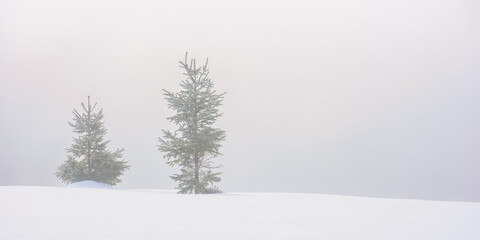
[88,184]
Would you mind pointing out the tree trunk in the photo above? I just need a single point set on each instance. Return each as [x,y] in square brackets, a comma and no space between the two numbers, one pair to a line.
[197,181]
[89,150]
[195,126]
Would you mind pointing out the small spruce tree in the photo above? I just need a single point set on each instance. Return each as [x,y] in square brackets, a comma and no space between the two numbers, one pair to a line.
[195,143]
[88,157]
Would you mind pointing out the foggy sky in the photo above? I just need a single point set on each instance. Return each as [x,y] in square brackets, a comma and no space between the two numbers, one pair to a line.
[366,98]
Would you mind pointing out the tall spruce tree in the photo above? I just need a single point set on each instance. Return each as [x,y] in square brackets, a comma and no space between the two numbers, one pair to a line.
[88,157]
[195,143]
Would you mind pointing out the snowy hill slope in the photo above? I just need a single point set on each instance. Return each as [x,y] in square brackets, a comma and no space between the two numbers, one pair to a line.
[79,213]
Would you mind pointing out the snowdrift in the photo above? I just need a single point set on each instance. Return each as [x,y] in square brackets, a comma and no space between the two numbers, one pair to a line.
[53,213]
[89,184]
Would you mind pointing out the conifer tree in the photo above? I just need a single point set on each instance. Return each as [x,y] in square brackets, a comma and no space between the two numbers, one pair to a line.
[195,143]
[88,157]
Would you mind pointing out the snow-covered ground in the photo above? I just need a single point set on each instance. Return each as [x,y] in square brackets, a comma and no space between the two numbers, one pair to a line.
[52,213]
